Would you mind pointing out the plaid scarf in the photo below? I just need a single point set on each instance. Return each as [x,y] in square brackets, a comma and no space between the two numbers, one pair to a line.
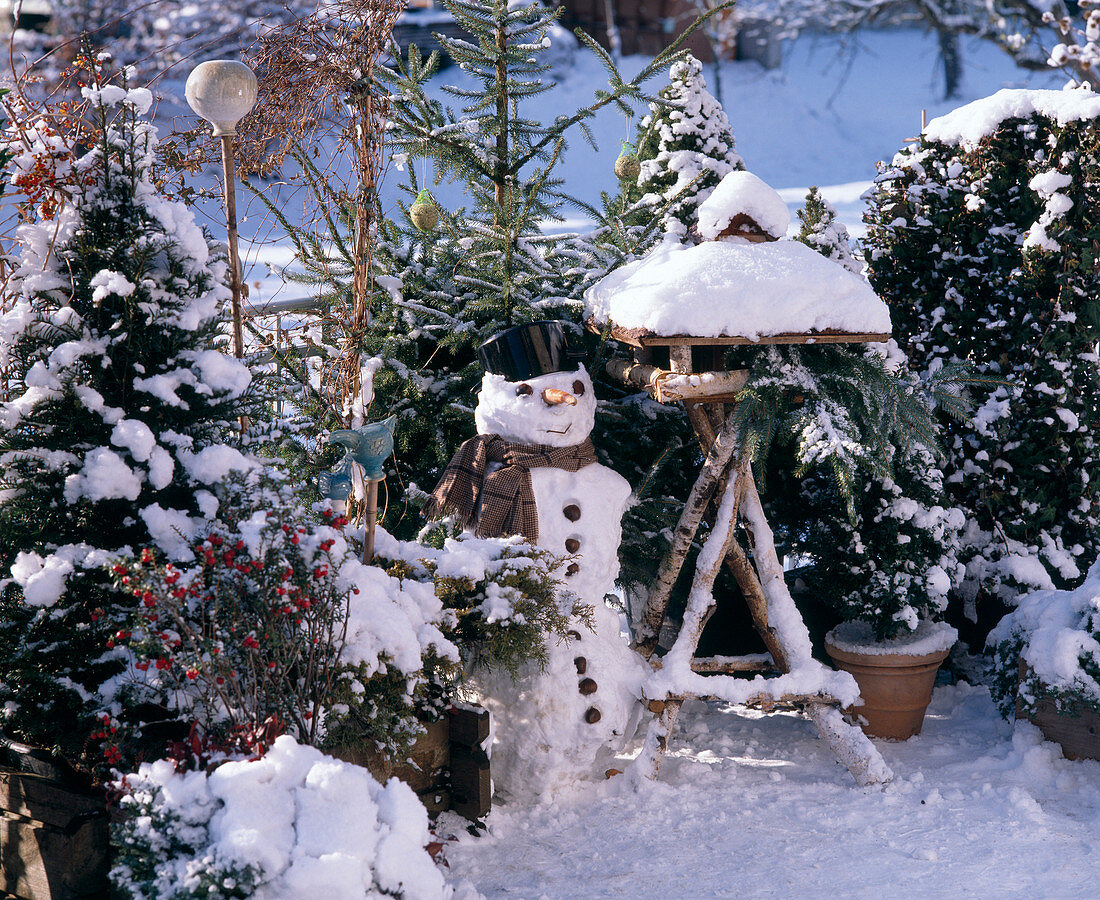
[503,503]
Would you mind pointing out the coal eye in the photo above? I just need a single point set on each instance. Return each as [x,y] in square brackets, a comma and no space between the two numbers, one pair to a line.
[523,390]
[578,388]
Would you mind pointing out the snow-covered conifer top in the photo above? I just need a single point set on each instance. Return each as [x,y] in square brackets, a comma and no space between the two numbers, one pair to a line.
[719,289]
[743,192]
[969,124]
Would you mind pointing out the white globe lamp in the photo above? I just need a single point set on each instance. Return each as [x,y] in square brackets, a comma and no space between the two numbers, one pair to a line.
[222,91]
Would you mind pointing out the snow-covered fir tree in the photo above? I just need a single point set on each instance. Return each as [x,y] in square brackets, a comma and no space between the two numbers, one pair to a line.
[890,559]
[982,238]
[117,402]
[685,146]
[825,233]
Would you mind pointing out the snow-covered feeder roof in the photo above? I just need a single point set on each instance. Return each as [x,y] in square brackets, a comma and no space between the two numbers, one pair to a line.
[969,124]
[742,193]
[751,291]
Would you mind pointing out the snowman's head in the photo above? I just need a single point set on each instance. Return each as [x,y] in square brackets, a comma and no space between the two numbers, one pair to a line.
[556,409]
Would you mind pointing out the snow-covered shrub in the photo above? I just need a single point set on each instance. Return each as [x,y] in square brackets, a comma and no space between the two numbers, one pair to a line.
[278,621]
[982,238]
[685,147]
[118,401]
[503,598]
[292,825]
[1056,634]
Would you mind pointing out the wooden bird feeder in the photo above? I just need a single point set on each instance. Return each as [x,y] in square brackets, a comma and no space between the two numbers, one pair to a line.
[674,365]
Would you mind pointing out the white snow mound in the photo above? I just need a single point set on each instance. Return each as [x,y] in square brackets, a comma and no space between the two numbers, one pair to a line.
[743,192]
[720,289]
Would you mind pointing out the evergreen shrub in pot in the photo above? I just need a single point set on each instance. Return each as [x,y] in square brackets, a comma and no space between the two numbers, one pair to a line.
[887,572]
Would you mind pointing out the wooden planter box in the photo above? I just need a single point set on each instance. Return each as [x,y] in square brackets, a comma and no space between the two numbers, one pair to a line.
[447,766]
[54,834]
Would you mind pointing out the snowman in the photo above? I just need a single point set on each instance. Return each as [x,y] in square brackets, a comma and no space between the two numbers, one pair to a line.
[532,471]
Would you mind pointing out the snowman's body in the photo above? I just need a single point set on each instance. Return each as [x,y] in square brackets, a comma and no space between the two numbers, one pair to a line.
[549,732]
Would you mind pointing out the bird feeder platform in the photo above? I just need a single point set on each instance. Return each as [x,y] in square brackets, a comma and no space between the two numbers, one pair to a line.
[642,339]
[725,495]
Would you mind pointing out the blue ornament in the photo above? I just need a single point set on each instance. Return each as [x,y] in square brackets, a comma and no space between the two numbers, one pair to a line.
[369,446]
[335,486]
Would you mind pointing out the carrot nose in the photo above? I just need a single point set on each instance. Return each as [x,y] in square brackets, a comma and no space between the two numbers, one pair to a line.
[553,396]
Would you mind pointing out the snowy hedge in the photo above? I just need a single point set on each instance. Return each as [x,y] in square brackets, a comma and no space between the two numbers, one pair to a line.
[983,239]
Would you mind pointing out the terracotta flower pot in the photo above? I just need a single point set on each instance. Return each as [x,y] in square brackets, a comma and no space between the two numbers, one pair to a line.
[895,678]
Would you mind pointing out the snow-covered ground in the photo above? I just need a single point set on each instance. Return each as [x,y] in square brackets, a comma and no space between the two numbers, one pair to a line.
[755,806]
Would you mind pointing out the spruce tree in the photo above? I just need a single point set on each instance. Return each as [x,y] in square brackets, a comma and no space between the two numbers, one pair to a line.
[982,240]
[441,291]
[118,393]
[825,233]
[685,146]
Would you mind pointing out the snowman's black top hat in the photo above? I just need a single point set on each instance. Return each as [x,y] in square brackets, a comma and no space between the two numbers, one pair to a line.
[528,351]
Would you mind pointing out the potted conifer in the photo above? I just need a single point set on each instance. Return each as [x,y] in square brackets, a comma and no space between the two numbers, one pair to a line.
[887,570]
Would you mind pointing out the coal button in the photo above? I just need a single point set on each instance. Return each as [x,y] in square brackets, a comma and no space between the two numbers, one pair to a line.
[572,512]
[572,545]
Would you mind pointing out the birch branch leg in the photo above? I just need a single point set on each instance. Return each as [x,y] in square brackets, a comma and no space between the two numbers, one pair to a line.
[739,565]
[715,465]
[700,605]
[850,745]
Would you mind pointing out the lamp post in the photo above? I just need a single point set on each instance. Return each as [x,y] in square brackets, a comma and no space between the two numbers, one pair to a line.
[222,91]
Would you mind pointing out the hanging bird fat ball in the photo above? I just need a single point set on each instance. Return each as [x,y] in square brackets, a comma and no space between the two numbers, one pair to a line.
[423,212]
[627,166]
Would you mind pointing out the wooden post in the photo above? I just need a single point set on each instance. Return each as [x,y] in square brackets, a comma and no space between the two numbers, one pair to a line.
[229,171]
[471,787]
[372,521]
